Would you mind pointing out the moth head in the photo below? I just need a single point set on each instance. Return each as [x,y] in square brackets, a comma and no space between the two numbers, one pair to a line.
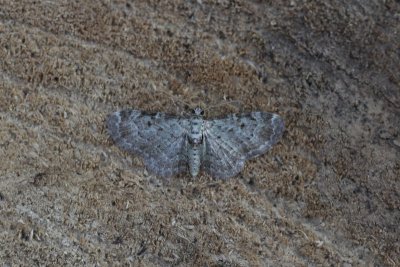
[198,111]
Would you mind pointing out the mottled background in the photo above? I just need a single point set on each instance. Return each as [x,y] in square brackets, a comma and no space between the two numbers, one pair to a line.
[327,194]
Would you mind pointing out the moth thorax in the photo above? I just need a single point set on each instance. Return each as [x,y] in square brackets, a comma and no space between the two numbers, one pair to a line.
[196,131]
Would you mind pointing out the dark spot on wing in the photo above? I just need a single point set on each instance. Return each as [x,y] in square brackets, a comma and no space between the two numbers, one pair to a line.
[144,113]
[242,125]
[125,114]
[141,114]
[149,123]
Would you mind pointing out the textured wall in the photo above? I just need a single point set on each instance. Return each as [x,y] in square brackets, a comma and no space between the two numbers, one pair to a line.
[326,194]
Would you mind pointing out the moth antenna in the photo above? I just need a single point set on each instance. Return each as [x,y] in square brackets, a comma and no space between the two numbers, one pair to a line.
[230,102]
[173,98]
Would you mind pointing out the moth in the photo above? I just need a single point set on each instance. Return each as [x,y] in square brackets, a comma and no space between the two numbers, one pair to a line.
[171,144]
